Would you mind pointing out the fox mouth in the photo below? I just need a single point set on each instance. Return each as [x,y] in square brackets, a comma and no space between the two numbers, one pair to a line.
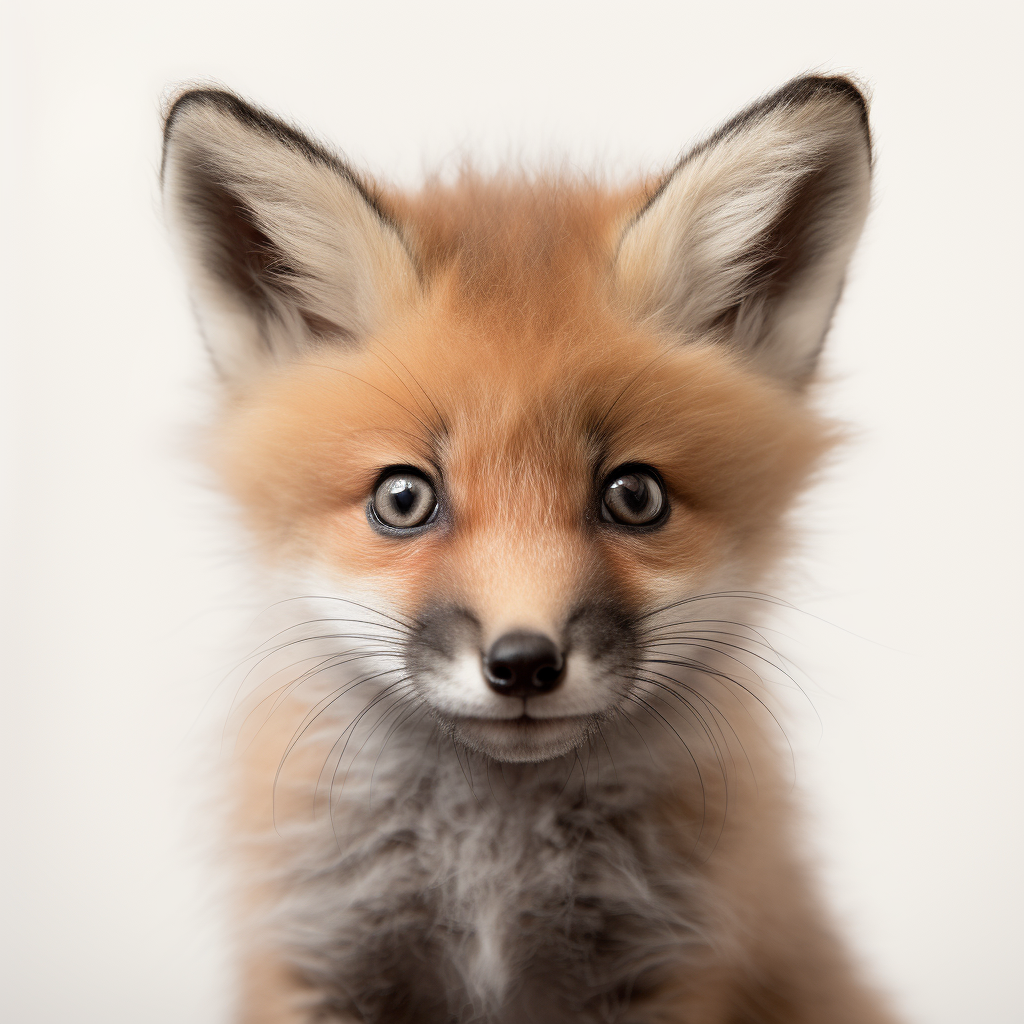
[524,722]
[524,737]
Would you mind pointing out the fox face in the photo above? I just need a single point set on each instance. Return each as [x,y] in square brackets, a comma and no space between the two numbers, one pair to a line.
[522,419]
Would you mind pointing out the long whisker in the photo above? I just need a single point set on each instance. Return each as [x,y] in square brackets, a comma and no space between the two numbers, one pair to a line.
[753,595]
[635,699]
[719,717]
[348,731]
[746,595]
[701,720]
[282,693]
[723,677]
[415,703]
[403,696]
[315,713]
[694,643]
[408,621]
[697,626]
[717,714]
[356,652]
[261,652]
[719,757]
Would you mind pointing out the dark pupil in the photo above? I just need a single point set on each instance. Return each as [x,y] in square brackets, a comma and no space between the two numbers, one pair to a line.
[403,496]
[633,491]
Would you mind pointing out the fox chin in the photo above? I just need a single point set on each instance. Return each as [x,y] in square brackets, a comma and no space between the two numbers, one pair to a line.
[515,455]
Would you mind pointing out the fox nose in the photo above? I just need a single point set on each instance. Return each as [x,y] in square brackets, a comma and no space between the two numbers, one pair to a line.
[522,664]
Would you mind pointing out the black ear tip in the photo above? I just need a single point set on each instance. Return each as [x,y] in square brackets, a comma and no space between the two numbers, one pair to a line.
[224,101]
[187,102]
[817,88]
[231,106]
[795,93]
[811,87]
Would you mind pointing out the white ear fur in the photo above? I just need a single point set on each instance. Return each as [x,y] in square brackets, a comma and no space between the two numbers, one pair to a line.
[284,246]
[748,239]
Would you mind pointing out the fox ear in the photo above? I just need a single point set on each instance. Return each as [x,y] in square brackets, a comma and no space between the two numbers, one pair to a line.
[284,246]
[747,240]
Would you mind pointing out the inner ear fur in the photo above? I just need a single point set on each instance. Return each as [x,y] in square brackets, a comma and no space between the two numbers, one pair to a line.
[747,240]
[284,245]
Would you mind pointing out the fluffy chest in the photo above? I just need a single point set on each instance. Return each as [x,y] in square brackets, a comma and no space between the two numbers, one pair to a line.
[524,899]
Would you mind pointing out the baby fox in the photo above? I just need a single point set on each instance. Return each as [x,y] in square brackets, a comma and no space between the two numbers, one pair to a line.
[516,453]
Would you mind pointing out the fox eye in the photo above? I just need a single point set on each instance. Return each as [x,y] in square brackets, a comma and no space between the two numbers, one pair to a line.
[634,496]
[403,500]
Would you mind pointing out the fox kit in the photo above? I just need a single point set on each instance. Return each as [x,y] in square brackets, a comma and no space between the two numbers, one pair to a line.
[516,453]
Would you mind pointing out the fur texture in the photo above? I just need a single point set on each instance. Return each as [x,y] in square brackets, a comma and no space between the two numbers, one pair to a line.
[414,844]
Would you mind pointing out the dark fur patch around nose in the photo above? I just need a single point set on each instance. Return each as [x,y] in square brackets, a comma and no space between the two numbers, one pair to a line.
[523,664]
[441,632]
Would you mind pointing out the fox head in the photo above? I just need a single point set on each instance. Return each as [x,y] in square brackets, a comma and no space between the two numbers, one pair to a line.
[520,418]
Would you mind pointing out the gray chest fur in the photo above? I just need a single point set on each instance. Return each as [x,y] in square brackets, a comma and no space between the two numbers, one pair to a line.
[520,895]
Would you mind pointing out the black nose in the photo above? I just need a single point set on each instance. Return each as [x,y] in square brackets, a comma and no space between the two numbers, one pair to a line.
[523,664]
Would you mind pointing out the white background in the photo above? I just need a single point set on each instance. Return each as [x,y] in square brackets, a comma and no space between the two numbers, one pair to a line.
[121,587]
